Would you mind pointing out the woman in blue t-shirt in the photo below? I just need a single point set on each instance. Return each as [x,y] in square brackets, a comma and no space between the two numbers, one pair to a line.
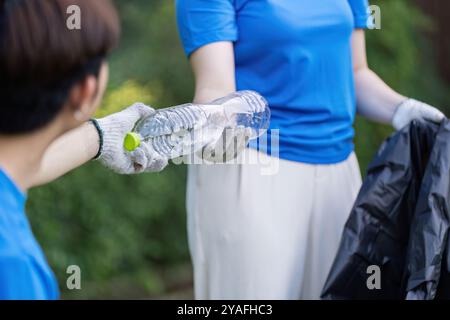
[271,230]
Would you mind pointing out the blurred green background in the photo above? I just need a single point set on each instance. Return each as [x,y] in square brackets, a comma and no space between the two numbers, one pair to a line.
[127,233]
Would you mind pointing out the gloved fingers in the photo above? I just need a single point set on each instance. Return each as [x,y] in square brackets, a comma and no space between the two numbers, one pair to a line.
[412,109]
[138,111]
[242,140]
[228,147]
[233,149]
[244,132]
[207,152]
[237,144]
[120,164]
[126,119]
[157,164]
[139,160]
[153,162]
[219,151]
[238,136]
[431,113]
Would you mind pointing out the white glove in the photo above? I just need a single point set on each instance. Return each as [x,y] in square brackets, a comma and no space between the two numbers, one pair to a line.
[412,109]
[114,156]
[232,142]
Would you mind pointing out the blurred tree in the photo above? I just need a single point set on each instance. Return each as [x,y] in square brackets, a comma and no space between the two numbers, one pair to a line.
[439,10]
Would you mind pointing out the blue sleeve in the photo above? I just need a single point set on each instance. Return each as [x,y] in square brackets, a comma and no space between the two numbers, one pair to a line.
[201,22]
[360,9]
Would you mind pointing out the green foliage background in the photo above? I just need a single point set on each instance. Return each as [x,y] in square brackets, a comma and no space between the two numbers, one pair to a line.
[127,233]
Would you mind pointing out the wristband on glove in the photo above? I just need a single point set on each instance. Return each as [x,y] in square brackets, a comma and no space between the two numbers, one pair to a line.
[100,138]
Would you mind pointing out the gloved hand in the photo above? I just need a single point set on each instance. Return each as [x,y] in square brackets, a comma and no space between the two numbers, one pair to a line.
[112,153]
[412,109]
[232,142]
[235,139]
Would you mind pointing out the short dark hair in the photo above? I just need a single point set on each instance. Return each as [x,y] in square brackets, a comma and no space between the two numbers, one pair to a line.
[41,59]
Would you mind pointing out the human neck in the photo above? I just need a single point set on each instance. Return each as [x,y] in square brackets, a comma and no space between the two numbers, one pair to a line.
[21,155]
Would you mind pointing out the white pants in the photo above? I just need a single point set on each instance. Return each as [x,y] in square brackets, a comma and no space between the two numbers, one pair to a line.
[254,236]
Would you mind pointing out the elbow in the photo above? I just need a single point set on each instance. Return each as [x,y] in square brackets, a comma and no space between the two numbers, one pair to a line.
[360,66]
[360,69]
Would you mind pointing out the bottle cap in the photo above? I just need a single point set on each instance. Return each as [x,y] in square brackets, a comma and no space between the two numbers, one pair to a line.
[132,141]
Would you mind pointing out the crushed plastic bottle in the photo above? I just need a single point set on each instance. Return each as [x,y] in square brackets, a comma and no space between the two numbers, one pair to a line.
[185,129]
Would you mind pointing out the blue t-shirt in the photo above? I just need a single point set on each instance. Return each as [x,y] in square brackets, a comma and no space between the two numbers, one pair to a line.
[24,271]
[297,54]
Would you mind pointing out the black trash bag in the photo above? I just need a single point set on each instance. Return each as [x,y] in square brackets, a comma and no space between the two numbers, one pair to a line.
[400,221]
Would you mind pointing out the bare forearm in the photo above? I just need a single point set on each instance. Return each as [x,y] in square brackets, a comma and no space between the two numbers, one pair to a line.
[375,99]
[68,152]
[213,66]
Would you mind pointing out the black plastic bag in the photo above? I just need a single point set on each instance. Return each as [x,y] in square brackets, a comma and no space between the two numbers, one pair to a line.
[400,221]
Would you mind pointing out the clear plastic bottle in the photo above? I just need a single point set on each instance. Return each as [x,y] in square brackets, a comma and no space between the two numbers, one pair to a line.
[187,128]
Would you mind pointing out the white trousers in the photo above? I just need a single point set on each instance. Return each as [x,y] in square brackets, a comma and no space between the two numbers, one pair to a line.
[255,236]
